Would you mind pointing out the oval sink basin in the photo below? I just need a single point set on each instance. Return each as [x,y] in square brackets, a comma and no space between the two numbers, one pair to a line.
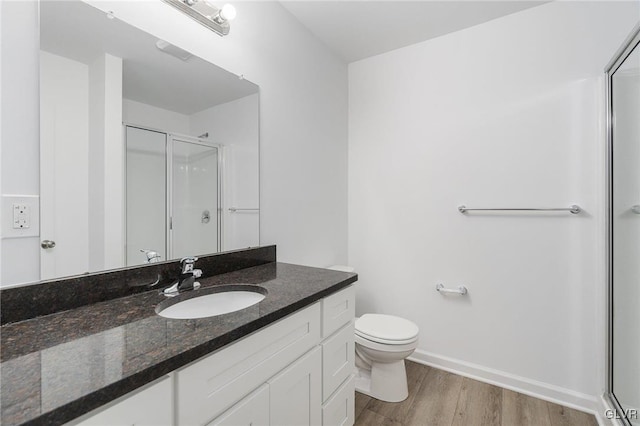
[211,301]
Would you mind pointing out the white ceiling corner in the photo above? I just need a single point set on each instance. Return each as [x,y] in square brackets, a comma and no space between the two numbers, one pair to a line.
[359,29]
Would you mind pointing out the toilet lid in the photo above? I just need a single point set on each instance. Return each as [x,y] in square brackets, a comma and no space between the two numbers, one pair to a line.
[386,329]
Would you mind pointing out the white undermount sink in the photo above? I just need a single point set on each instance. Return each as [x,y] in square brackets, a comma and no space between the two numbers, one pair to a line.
[211,301]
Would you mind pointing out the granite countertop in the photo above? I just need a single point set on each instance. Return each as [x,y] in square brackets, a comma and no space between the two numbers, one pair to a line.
[57,367]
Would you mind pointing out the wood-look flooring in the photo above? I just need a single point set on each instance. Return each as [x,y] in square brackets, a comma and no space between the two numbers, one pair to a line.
[438,398]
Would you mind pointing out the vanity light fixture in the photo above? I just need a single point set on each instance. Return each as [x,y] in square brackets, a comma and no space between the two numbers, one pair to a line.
[212,17]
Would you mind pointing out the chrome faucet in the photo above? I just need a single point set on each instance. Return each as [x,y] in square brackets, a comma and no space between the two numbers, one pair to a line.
[187,279]
[152,256]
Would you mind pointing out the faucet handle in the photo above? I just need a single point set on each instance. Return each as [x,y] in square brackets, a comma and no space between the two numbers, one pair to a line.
[187,263]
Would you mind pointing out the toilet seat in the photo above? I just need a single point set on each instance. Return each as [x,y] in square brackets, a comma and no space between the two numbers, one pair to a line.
[386,329]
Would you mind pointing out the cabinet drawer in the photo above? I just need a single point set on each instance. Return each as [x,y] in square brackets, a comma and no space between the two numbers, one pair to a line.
[339,410]
[213,384]
[338,355]
[337,310]
[253,410]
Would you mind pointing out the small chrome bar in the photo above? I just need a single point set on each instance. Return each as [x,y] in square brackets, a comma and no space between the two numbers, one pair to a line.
[574,209]
[239,209]
[462,290]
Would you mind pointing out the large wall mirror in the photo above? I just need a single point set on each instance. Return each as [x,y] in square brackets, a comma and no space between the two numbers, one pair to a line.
[624,232]
[148,153]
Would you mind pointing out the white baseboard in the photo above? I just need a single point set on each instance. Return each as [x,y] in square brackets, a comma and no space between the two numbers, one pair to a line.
[534,388]
[603,406]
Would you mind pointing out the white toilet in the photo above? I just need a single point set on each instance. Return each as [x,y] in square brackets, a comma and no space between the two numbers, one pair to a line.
[382,344]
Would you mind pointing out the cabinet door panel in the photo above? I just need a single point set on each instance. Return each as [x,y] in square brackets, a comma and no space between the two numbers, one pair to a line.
[295,392]
[253,410]
[339,410]
[338,356]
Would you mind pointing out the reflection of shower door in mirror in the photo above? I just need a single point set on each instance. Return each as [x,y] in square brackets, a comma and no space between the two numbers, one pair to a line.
[172,195]
[146,194]
[195,198]
[624,90]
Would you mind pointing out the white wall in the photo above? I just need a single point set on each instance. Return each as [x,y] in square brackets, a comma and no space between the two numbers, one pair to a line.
[235,125]
[153,117]
[20,160]
[504,114]
[303,118]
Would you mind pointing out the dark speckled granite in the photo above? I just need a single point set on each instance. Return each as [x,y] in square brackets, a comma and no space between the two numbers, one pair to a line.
[58,367]
[47,297]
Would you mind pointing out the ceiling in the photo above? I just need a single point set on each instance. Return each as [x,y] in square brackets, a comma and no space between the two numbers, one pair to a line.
[81,32]
[359,29]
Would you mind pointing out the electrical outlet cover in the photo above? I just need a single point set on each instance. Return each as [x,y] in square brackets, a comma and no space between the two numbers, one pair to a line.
[32,203]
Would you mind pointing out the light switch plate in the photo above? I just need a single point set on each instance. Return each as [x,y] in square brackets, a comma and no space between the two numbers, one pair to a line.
[20,216]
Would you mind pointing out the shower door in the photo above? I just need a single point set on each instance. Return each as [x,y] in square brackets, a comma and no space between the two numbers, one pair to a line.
[173,195]
[195,198]
[146,194]
[624,233]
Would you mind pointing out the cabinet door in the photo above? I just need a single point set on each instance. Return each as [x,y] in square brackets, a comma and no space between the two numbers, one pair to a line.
[338,355]
[296,392]
[251,411]
[339,409]
[152,406]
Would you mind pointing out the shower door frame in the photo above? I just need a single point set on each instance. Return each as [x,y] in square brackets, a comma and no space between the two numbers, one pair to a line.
[630,43]
[168,213]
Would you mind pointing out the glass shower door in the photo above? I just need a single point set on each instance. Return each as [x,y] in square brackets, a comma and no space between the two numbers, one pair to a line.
[625,235]
[195,200]
[146,194]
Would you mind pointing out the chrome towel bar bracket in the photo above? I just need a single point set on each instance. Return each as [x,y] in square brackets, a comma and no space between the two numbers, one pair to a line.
[462,290]
[574,209]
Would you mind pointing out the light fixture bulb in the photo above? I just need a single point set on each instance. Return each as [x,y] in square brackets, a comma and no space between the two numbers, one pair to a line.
[228,12]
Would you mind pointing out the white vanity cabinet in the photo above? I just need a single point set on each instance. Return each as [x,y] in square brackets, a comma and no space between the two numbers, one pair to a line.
[296,371]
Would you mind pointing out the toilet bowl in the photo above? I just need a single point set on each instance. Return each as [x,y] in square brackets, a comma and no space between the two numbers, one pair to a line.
[382,344]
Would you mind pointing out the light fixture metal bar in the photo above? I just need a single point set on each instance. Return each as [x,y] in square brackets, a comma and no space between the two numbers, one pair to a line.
[220,29]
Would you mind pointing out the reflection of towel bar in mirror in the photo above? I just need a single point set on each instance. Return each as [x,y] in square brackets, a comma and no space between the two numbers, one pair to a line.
[462,290]
[575,209]
[239,209]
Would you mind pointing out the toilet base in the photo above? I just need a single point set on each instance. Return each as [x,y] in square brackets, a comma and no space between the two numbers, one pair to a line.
[385,381]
